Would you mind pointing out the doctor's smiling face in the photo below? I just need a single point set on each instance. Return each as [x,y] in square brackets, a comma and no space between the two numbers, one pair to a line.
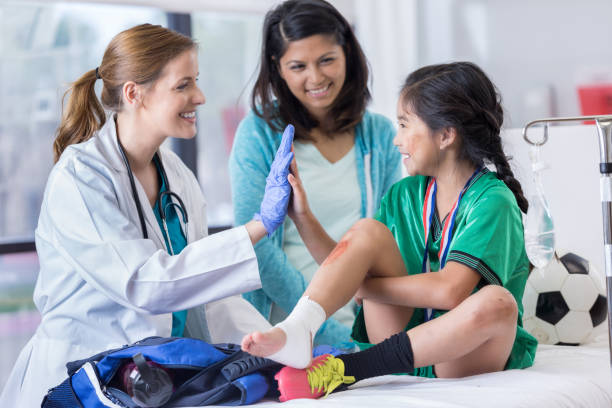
[168,105]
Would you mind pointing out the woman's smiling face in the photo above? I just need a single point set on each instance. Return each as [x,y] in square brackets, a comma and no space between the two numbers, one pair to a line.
[314,69]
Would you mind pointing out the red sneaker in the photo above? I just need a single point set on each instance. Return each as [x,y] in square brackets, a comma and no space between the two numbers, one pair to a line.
[324,375]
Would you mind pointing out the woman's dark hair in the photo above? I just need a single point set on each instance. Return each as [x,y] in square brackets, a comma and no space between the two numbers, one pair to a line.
[291,21]
[459,95]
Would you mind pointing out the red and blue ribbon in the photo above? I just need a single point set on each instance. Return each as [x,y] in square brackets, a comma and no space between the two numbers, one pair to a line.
[429,207]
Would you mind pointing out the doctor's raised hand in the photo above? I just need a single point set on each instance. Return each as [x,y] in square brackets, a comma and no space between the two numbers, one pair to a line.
[122,236]
[278,190]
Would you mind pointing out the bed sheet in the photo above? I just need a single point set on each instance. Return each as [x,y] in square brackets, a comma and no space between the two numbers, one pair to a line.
[562,376]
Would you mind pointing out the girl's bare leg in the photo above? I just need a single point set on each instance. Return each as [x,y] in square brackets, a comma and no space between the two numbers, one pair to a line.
[475,337]
[384,320]
[368,248]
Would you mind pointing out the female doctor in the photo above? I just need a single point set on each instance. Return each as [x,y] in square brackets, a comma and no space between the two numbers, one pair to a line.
[121,236]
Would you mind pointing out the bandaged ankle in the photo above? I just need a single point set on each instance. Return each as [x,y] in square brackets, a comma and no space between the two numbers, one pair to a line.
[300,328]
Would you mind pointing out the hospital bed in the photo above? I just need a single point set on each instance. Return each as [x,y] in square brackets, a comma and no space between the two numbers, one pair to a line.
[562,376]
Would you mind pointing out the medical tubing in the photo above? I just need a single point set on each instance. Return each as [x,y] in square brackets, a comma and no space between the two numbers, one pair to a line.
[180,205]
[162,210]
[170,193]
[168,235]
[134,192]
[178,208]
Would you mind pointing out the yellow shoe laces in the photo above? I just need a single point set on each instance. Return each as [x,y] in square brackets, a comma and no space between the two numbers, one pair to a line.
[328,375]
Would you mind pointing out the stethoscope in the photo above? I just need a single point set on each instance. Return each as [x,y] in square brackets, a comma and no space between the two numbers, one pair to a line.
[162,210]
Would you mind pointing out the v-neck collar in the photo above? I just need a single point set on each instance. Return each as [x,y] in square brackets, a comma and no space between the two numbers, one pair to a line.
[437,224]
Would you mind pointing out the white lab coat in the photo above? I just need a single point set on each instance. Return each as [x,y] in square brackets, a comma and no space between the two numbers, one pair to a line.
[102,285]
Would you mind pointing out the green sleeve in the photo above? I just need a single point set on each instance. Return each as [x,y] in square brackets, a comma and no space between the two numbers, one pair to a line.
[391,202]
[489,237]
[381,214]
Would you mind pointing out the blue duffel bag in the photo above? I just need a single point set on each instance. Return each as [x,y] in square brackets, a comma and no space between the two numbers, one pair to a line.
[188,372]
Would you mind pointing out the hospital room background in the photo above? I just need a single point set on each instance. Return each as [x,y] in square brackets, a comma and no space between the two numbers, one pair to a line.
[548,58]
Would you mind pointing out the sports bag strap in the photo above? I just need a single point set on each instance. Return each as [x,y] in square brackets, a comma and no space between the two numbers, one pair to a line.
[253,387]
[247,365]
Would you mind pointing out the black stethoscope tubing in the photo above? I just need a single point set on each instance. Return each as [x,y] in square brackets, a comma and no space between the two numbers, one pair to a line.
[134,191]
[162,213]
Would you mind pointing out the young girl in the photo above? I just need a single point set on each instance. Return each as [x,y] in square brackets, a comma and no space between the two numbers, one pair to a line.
[441,270]
[313,74]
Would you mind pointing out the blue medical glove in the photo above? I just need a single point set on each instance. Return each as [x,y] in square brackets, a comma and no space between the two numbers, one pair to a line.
[273,207]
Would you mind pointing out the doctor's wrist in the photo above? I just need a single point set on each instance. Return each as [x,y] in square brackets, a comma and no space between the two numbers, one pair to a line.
[256,230]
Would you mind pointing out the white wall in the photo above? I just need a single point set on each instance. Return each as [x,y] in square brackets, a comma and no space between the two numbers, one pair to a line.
[186,6]
[535,51]
[387,32]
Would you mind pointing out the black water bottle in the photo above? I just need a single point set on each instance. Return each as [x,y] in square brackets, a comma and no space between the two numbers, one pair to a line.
[147,383]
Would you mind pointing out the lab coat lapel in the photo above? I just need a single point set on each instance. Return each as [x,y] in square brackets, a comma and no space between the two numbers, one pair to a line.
[153,228]
[108,137]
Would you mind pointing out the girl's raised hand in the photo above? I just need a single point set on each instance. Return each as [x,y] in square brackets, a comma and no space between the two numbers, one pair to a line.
[298,205]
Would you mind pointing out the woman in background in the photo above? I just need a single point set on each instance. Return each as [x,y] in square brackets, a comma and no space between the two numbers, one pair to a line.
[314,75]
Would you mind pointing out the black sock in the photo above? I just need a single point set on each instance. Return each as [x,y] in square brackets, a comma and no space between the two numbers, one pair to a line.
[392,356]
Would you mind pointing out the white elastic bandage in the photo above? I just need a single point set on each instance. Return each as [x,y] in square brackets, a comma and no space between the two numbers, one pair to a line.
[300,328]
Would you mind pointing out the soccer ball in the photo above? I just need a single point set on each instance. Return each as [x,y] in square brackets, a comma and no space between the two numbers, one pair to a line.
[564,302]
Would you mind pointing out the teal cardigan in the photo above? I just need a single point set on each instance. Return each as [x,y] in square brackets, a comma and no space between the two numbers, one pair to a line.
[255,144]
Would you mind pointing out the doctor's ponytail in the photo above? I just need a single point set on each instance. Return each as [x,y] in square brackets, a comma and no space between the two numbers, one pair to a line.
[138,54]
[81,117]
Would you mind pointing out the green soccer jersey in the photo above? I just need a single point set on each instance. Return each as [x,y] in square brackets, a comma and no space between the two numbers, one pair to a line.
[487,236]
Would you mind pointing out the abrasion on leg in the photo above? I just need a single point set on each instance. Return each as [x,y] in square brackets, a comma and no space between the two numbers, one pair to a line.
[300,328]
[335,254]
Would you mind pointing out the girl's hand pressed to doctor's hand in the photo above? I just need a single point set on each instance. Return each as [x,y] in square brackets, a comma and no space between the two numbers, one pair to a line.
[298,204]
